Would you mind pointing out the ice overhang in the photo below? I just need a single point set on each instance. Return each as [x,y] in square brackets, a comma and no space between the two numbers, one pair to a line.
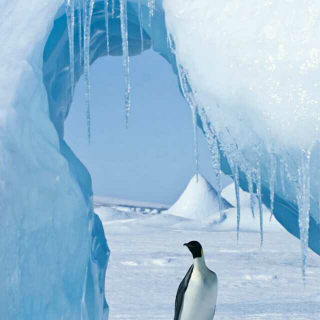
[56,73]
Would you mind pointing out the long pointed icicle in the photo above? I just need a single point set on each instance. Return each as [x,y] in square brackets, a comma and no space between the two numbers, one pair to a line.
[80,7]
[236,184]
[70,22]
[189,96]
[214,150]
[217,170]
[252,195]
[141,25]
[171,43]
[112,8]
[195,139]
[88,9]
[282,175]
[106,14]
[125,55]
[272,180]
[259,186]
[303,195]
[232,154]
[151,6]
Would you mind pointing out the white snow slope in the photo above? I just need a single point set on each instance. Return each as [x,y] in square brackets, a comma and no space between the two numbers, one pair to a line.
[198,201]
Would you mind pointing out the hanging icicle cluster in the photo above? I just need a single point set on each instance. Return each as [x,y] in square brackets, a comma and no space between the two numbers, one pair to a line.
[84,14]
[259,171]
[212,141]
[70,21]
[88,9]
[84,11]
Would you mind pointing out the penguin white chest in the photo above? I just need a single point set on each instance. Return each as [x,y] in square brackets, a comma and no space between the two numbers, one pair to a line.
[200,297]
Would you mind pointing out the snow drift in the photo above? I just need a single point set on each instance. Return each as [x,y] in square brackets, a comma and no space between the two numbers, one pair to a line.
[199,200]
[249,72]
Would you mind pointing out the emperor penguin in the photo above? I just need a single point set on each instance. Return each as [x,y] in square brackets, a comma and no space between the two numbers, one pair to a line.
[197,294]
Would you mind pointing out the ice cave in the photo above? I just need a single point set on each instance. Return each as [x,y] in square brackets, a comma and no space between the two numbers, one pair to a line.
[249,72]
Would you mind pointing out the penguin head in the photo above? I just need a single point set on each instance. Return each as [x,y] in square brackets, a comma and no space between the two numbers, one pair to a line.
[195,248]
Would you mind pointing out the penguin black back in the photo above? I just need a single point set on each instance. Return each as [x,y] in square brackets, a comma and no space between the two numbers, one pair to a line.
[180,293]
[196,250]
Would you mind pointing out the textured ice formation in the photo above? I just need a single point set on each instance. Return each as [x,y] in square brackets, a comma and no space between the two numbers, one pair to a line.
[253,70]
[249,72]
[53,250]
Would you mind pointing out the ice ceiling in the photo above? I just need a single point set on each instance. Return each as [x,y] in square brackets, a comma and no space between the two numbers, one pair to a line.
[250,75]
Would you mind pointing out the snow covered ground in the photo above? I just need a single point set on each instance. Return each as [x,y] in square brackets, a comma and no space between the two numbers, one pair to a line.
[148,262]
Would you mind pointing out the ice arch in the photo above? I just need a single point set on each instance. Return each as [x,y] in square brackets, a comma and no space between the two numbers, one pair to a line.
[285,208]
[53,251]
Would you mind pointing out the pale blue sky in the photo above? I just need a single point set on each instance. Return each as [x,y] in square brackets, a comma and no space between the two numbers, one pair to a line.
[152,160]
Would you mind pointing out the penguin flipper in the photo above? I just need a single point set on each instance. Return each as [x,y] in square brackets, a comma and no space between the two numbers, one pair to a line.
[180,293]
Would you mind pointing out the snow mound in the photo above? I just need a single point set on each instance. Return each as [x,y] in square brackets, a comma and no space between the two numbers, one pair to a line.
[203,199]
[198,201]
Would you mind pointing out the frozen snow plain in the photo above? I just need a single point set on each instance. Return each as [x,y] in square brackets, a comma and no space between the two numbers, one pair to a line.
[148,262]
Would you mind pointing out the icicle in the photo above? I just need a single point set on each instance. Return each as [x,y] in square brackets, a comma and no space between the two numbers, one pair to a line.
[106,13]
[236,184]
[151,6]
[80,31]
[88,9]
[195,139]
[252,195]
[231,152]
[272,179]
[282,175]
[258,184]
[303,197]
[141,25]
[214,150]
[215,154]
[70,22]
[171,43]
[125,55]
[113,8]
[189,96]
